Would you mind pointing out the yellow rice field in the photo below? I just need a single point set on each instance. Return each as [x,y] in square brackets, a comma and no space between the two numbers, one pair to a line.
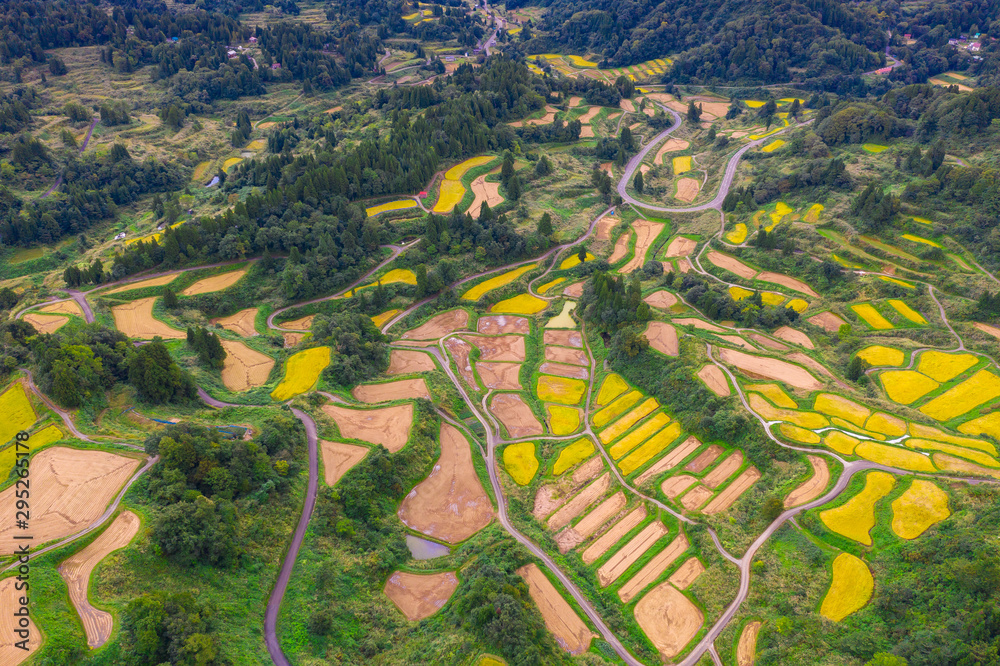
[880,422]
[648,428]
[738,234]
[451,194]
[906,386]
[798,304]
[808,420]
[775,394]
[886,278]
[976,455]
[781,209]
[650,448]
[230,163]
[402,204]
[920,507]
[918,239]
[850,590]
[404,275]
[878,356]
[459,170]
[984,425]
[573,260]
[812,215]
[302,371]
[580,61]
[17,412]
[798,434]
[477,292]
[380,319]
[563,420]
[520,461]
[520,304]
[561,390]
[548,285]
[616,408]
[942,366]
[905,310]
[835,405]
[893,456]
[843,444]
[618,428]
[856,517]
[872,317]
[771,298]
[612,387]
[773,146]
[874,148]
[573,454]
[682,165]
[739,293]
[974,391]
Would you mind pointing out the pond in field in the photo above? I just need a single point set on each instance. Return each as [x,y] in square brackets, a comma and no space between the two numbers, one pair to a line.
[422,549]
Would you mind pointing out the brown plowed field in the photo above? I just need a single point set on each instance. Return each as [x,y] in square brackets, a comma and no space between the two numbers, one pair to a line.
[668,618]
[460,351]
[715,380]
[575,290]
[681,247]
[600,515]
[450,504]
[686,573]
[300,324]
[440,326]
[768,343]
[136,320]
[588,470]
[724,470]
[388,426]
[653,569]
[675,485]
[725,499]
[240,323]
[662,337]
[501,376]
[771,368]
[746,651]
[11,655]
[153,282]
[621,248]
[566,355]
[695,497]
[669,146]
[515,415]
[787,281]
[402,389]
[501,348]
[69,307]
[488,193]
[670,460]
[687,189]
[604,542]
[795,337]
[630,553]
[419,596]
[292,339]
[77,569]
[563,338]
[731,264]
[339,458]
[566,626]
[828,321]
[604,227]
[684,265]
[243,367]
[501,324]
[661,299]
[46,323]
[215,283]
[561,370]
[809,362]
[813,487]
[404,362]
[704,459]
[580,501]
[737,341]
[646,232]
[70,489]
[699,324]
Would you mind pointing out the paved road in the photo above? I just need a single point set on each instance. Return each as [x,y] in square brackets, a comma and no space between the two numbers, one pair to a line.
[278,592]
[29,381]
[86,140]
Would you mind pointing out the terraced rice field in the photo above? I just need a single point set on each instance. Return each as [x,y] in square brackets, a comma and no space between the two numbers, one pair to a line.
[244,368]
[339,458]
[773,146]
[302,371]
[418,596]
[943,366]
[878,356]
[561,390]
[520,461]
[682,164]
[483,288]
[402,204]
[906,311]
[920,507]
[563,420]
[906,386]
[856,517]
[850,590]
[136,320]
[872,317]
[215,283]
[612,387]
[561,620]
[388,426]
[572,455]
[520,304]
[574,260]
[978,389]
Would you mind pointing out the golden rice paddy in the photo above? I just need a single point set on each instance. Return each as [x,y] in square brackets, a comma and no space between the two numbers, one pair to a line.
[563,420]
[812,215]
[380,319]
[974,391]
[548,285]
[798,434]
[773,146]
[872,317]
[942,366]
[850,590]
[561,390]
[905,310]
[459,170]
[739,293]
[302,371]
[574,260]
[984,425]
[856,517]
[918,239]
[17,412]
[520,461]
[682,165]
[402,204]
[477,292]
[616,408]
[738,234]
[835,405]
[572,455]
[880,422]
[618,428]
[775,394]
[798,304]
[894,456]
[874,148]
[451,194]
[612,387]
[520,304]
[878,356]
[920,507]
[886,278]
[906,386]
[650,448]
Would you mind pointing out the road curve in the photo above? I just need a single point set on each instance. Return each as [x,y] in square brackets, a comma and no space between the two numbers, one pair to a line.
[281,584]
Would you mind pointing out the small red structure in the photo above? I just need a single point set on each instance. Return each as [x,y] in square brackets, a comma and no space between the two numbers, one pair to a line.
[423,194]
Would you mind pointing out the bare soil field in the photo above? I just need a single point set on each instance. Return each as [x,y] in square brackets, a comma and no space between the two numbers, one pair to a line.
[339,458]
[813,364]
[402,389]
[686,573]
[737,341]
[579,502]
[292,339]
[500,348]
[604,542]
[419,596]
[768,343]
[404,362]
[46,323]
[588,470]
[700,324]
[575,290]
[704,459]
[675,485]
[566,355]
[561,370]
[684,266]
[515,415]
[563,338]
[681,247]
[604,227]
[672,459]
[388,426]
[154,282]
[488,193]
[215,283]
[746,649]
[566,626]
[621,248]
[788,281]
[646,232]
[450,504]
[63,307]
[988,330]
[240,323]
[77,569]
[573,536]
[714,379]
[461,350]
[687,189]
[731,264]
[500,376]
[695,497]
[725,499]
[661,299]
[627,105]
[440,326]
[789,334]
[630,553]
[771,368]
[300,324]
[828,321]
[813,487]
[71,489]
[724,470]
[10,654]
[502,324]
[669,146]
[244,367]
[662,337]
[653,569]
[136,320]
[668,618]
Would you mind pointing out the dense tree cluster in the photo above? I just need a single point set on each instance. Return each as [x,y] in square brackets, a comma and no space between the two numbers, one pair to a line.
[170,628]
[610,302]
[208,346]
[875,207]
[715,302]
[359,351]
